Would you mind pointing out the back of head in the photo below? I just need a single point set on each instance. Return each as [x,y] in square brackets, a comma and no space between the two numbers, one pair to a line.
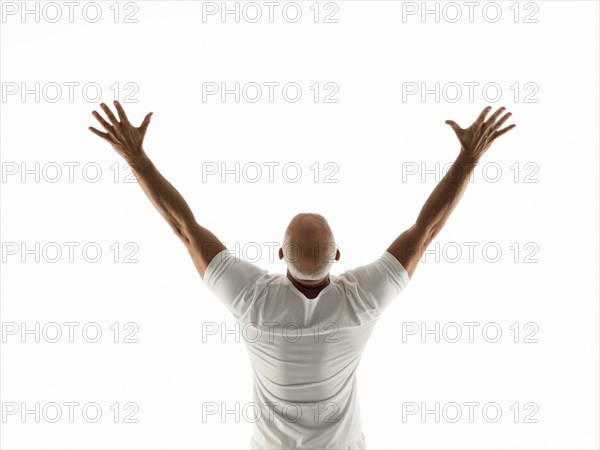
[309,247]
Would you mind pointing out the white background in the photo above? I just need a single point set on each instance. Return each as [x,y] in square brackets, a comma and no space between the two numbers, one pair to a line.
[369,133]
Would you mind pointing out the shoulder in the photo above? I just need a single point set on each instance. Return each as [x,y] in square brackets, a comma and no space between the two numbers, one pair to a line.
[385,264]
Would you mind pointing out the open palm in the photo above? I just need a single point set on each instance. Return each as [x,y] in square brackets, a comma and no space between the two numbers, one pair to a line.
[476,139]
[126,139]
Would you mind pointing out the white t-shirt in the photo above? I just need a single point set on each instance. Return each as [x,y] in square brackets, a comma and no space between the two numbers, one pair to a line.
[304,352]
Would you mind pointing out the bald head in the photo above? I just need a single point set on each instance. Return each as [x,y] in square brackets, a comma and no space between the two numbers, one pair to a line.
[309,247]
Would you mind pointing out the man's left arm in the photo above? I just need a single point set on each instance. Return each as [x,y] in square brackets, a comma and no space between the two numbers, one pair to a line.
[127,140]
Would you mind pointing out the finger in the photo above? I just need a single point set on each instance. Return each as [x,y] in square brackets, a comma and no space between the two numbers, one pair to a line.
[101,134]
[454,126]
[110,115]
[498,124]
[145,123]
[493,117]
[481,117]
[108,127]
[121,111]
[501,132]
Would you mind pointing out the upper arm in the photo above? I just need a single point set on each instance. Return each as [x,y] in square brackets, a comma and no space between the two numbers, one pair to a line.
[201,244]
[408,248]
[234,281]
[231,279]
[376,284]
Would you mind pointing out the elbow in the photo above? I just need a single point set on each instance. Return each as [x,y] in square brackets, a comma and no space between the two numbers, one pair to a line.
[428,232]
[428,229]
[181,232]
[434,231]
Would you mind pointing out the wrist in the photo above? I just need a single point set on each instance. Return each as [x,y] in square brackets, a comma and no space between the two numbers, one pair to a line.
[468,158]
[139,162]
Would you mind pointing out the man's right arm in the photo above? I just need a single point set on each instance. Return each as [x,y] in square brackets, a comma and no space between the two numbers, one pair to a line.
[408,248]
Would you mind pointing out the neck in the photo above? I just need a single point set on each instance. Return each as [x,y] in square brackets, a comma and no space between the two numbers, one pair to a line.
[308,284]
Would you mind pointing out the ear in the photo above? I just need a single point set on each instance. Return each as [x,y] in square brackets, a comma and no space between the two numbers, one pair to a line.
[337,255]
[280,253]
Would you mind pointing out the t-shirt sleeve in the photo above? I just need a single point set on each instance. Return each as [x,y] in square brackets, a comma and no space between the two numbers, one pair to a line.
[233,281]
[376,284]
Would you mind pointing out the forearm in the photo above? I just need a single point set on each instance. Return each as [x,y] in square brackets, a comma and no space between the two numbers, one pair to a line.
[163,195]
[447,194]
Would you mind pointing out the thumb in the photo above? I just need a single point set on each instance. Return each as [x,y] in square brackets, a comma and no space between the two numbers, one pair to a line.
[454,125]
[145,123]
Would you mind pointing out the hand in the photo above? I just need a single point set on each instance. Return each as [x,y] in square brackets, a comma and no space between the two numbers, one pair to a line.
[126,139]
[476,139]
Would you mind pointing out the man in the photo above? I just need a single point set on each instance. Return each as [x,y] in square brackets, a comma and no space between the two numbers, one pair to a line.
[309,327]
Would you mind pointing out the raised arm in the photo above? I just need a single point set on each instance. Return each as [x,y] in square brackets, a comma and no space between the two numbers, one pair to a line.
[408,248]
[127,140]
